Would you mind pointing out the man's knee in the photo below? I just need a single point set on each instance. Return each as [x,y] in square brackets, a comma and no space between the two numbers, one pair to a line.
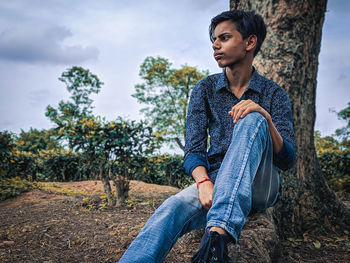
[251,118]
[253,123]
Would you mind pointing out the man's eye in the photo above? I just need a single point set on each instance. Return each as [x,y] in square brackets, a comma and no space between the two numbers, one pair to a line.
[225,38]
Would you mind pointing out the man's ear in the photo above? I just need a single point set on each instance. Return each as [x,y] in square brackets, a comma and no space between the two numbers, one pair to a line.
[251,42]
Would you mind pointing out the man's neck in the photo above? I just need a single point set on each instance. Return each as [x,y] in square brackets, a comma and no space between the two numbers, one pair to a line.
[238,78]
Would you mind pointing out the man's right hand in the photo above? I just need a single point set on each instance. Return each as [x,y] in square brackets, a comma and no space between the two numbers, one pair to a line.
[205,193]
[205,189]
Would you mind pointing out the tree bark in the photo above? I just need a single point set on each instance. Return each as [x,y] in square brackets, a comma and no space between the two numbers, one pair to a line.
[106,186]
[121,184]
[289,56]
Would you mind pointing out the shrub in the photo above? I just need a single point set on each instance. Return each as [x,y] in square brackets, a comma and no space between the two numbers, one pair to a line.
[11,187]
[334,159]
[63,165]
[164,169]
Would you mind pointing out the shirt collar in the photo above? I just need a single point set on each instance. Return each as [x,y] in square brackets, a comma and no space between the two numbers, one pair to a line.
[254,82]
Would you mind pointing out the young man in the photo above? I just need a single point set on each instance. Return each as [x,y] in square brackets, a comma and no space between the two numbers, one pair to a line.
[249,121]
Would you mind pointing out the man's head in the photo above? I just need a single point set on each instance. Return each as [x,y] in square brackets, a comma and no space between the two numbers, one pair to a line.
[247,23]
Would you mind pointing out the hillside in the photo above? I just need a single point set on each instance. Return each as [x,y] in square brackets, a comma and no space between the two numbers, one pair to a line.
[68,222]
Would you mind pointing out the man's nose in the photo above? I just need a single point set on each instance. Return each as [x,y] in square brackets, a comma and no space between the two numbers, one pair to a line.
[215,45]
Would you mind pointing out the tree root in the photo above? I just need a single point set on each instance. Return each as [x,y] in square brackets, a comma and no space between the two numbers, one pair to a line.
[259,242]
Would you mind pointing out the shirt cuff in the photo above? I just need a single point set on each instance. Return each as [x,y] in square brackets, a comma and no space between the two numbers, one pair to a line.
[286,158]
[193,160]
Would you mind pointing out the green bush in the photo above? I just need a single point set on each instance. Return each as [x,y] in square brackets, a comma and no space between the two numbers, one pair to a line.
[63,165]
[164,169]
[11,187]
[23,165]
[336,169]
[334,159]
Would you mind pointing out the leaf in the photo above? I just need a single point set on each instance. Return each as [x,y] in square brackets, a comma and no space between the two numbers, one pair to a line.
[317,244]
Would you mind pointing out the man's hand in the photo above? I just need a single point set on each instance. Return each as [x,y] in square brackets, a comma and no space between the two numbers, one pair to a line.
[244,107]
[205,194]
[205,189]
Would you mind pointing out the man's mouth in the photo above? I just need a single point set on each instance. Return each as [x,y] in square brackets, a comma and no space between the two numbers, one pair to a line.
[218,56]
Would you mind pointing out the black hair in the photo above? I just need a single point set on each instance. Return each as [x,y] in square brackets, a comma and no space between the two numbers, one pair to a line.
[247,23]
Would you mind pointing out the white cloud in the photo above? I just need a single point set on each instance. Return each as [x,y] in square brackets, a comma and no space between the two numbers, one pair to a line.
[42,44]
[39,39]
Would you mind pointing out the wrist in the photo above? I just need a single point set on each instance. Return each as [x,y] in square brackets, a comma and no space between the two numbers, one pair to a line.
[204,180]
[267,117]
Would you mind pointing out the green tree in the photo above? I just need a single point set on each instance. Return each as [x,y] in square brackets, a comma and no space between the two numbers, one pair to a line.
[13,162]
[7,148]
[35,140]
[165,92]
[344,133]
[334,159]
[109,146]
[81,83]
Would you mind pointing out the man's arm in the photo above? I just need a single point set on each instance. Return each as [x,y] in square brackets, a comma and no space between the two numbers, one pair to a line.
[195,160]
[196,130]
[280,126]
[244,107]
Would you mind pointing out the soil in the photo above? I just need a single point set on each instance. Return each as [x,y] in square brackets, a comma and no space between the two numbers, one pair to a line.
[69,222]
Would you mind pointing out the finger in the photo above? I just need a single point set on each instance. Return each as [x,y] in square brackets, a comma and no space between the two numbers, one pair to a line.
[207,205]
[240,104]
[238,114]
[246,112]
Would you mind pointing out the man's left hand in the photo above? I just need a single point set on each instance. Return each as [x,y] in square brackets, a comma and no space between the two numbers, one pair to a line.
[244,107]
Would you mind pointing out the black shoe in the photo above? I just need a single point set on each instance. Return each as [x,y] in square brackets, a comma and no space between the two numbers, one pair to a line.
[213,249]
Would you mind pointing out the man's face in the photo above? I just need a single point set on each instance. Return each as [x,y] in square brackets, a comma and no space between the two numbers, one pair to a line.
[229,46]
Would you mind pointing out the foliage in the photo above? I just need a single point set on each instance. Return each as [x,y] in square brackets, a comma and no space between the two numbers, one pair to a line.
[35,140]
[14,162]
[23,165]
[80,83]
[165,92]
[62,165]
[164,169]
[108,146]
[334,158]
[7,147]
[11,187]
[344,133]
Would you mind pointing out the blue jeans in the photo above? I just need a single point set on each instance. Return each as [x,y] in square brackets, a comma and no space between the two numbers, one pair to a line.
[247,180]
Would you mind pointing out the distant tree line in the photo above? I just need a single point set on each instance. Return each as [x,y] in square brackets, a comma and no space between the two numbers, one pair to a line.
[82,146]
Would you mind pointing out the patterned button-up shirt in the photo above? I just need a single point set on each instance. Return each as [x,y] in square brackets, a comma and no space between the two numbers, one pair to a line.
[210,102]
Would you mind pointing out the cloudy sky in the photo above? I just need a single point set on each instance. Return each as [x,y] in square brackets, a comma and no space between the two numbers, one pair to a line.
[39,39]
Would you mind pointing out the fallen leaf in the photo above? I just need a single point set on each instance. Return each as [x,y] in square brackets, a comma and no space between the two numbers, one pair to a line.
[317,244]
[8,243]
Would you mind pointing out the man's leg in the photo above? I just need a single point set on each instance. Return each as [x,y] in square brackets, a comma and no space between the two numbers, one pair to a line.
[247,171]
[178,215]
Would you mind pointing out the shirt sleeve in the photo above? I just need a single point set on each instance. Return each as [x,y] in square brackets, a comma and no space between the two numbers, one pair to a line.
[196,130]
[281,113]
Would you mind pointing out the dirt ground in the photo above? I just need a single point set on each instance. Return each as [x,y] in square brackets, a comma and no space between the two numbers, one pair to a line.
[69,222]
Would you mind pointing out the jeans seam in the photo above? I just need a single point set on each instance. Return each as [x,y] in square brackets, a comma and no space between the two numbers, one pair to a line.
[239,179]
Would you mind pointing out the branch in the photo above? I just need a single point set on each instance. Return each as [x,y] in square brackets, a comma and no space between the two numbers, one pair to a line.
[179,143]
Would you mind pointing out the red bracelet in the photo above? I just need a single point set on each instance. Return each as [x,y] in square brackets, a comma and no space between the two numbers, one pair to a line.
[206,179]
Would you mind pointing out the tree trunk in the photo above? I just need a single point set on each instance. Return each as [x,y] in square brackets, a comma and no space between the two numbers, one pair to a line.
[106,186]
[121,184]
[289,56]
